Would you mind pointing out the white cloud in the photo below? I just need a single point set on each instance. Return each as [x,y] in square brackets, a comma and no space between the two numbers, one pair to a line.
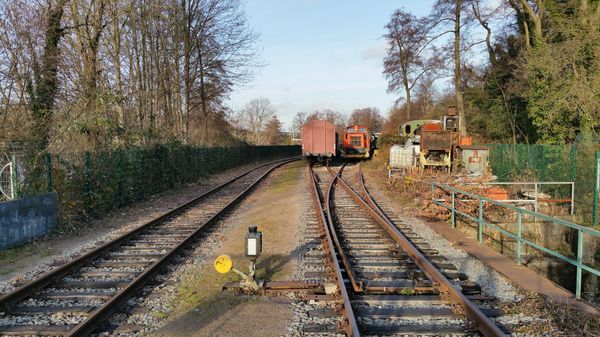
[374,52]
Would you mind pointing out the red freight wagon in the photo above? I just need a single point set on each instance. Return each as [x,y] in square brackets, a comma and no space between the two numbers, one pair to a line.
[319,139]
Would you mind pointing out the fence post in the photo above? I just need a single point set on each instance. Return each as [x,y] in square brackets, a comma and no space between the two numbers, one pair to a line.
[544,163]
[480,229]
[453,212]
[88,182]
[573,160]
[535,197]
[120,192]
[597,190]
[579,263]
[13,177]
[573,197]
[519,235]
[49,171]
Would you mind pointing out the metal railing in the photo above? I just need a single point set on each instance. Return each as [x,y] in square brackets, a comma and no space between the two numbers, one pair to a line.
[481,224]
[536,192]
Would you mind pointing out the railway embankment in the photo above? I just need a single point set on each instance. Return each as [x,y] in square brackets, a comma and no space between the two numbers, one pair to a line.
[25,262]
[100,286]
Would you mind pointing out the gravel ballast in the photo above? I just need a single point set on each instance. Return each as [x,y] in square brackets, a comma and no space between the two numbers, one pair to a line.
[103,230]
[492,283]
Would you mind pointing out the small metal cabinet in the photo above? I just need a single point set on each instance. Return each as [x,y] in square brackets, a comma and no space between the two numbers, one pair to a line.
[475,159]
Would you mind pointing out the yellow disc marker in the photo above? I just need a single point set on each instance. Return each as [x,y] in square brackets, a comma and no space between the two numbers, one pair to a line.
[223,264]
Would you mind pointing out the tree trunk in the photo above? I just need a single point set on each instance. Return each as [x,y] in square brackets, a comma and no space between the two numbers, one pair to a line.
[88,30]
[187,76]
[408,100]
[117,64]
[535,20]
[488,31]
[203,96]
[458,71]
[43,91]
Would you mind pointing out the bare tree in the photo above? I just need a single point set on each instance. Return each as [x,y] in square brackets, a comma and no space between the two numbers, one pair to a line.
[21,38]
[483,19]
[255,116]
[298,123]
[87,18]
[101,73]
[219,51]
[408,58]
[448,17]
[369,117]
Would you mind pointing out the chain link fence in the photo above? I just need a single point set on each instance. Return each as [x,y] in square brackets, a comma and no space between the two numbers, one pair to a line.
[558,163]
[89,185]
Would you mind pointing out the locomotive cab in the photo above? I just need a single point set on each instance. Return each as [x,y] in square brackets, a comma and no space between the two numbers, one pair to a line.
[356,142]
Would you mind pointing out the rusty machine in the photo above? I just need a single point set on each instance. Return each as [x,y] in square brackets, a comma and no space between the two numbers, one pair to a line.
[439,141]
[438,144]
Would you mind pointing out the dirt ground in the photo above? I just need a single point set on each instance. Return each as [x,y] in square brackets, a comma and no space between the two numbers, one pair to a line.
[202,309]
[52,248]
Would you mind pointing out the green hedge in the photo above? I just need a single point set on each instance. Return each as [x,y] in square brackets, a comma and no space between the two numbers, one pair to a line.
[89,185]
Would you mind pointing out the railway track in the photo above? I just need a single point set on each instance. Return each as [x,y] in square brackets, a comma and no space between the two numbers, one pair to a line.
[393,282]
[74,299]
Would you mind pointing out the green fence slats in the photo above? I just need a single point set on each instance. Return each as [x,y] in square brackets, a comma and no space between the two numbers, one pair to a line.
[539,162]
[89,185]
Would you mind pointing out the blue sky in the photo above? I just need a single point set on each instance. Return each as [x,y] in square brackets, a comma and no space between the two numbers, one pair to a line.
[321,54]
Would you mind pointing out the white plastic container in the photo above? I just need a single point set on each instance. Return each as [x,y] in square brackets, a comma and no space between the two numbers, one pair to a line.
[402,156]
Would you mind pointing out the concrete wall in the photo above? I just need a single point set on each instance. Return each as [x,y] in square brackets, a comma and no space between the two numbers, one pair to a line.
[24,219]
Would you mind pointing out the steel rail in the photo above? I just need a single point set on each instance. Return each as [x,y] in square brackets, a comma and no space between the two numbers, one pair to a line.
[484,323]
[367,195]
[105,310]
[357,285]
[349,313]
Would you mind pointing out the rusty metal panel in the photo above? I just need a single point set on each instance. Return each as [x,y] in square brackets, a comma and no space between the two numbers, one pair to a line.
[436,141]
[318,139]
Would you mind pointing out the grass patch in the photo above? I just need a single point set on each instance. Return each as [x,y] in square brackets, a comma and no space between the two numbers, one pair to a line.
[288,178]
[11,255]
[408,291]
[160,315]
[202,291]
[7,271]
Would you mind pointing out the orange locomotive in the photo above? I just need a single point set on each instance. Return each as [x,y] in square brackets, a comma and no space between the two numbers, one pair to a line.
[356,143]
